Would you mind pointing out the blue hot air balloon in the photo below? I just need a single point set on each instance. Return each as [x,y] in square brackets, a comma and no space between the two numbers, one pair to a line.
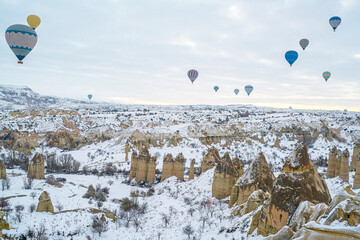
[236,91]
[21,40]
[216,88]
[335,22]
[291,56]
[90,96]
[248,89]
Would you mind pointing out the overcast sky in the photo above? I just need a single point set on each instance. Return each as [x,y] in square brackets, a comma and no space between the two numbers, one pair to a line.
[138,52]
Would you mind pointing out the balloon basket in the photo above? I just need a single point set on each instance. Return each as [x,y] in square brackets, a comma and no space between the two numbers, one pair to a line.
[20,62]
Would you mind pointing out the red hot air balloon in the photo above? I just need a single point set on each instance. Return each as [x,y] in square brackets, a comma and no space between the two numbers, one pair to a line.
[192,74]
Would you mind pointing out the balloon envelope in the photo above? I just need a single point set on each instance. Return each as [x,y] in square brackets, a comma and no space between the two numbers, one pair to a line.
[90,96]
[304,43]
[21,40]
[248,89]
[192,74]
[291,56]
[335,22]
[326,75]
[216,88]
[33,21]
[236,91]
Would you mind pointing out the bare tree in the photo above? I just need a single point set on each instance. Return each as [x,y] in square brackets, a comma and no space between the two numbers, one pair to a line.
[41,233]
[28,183]
[191,211]
[204,219]
[18,212]
[188,230]
[33,195]
[99,225]
[165,218]
[59,207]
[32,207]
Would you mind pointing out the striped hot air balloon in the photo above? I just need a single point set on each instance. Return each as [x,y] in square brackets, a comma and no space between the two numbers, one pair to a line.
[335,22]
[248,89]
[326,75]
[304,43]
[192,74]
[216,88]
[90,96]
[291,56]
[21,40]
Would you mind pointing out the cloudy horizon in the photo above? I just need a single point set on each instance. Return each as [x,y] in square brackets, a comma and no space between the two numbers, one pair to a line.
[139,52]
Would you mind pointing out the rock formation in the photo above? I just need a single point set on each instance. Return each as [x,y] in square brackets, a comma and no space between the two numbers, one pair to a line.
[192,169]
[133,165]
[344,165]
[142,167]
[226,173]
[45,204]
[36,168]
[356,183]
[277,142]
[210,159]
[355,155]
[65,139]
[330,173]
[127,150]
[19,141]
[299,181]
[2,170]
[173,167]
[91,193]
[257,176]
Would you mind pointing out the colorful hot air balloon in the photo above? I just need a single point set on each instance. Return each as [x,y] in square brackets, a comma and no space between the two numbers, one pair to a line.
[90,96]
[326,75]
[21,39]
[291,56]
[335,22]
[236,91]
[33,21]
[216,88]
[304,43]
[192,74]
[248,89]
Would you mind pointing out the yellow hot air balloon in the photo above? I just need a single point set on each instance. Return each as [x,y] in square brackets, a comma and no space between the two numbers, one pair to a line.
[33,21]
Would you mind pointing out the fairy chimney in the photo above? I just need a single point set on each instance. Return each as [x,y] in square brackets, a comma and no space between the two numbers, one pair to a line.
[226,173]
[344,165]
[299,181]
[330,173]
[133,165]
[173,167]
[36,169]
[192,169]
[356,183]
[45,204]
[257,176]
[210,159]
[2,170]
[355,155]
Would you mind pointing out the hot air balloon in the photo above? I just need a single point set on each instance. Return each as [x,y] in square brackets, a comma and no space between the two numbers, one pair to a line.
[304,43]
[335,22]
[90,96]
[326,75]
[216,88]
[192,74]
[291,56]
[21,39]
[236,91]
[33,21]
[248,89]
